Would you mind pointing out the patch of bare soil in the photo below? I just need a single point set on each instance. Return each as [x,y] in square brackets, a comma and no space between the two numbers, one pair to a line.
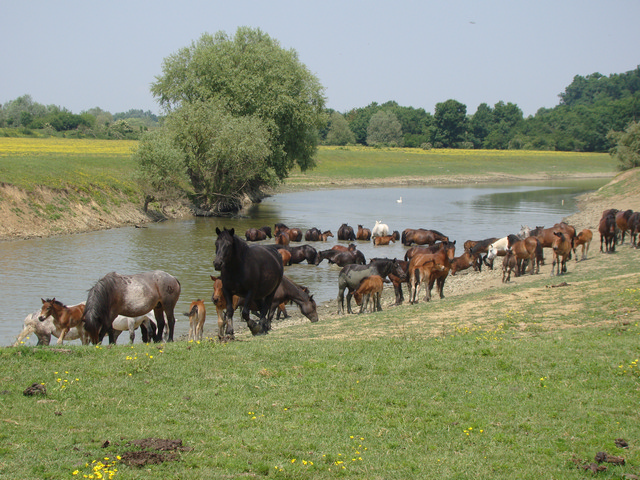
[153,451]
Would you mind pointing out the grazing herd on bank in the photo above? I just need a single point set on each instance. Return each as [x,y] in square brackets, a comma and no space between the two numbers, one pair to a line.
[252,277]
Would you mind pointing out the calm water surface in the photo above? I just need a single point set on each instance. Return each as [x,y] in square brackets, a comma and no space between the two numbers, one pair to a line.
[66,267]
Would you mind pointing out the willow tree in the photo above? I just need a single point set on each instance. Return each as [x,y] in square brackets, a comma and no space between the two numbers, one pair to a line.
[244,110]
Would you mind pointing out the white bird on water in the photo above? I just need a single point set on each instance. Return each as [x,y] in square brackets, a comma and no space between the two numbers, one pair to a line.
[399,200]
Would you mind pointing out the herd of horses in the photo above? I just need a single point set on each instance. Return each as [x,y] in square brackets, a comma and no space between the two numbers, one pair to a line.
[252,277]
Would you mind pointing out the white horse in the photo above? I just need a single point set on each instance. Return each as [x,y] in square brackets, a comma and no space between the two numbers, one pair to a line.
[122,323]
[380,229]
[45,329]
[497,248]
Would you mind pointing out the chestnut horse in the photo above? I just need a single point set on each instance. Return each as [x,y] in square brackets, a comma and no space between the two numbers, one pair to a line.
[384,240]
[257,234]
[421,236]
[561,252]
[253,272]
[369,286]
[363,233]
[526,249]
[583,238]
[421,269]
[197,315]
[64,318]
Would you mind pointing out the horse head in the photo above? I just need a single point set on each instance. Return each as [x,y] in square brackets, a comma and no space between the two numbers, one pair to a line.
[224,247]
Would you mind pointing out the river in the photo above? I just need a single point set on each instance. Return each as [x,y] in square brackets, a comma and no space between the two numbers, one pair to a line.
[65,267]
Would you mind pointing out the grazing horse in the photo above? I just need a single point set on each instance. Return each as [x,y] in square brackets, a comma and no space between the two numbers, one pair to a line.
[253,272]
[607,229]
[303,252]
[351,275]
[289,291]
[131,296]
[634,228]
[526,249]
[45,329]
[197,314]
[380,229]
[561,251]
[64,318]
[583,238]
[463,262]
[622,222]
[383,240]
[345,232]
[421,236]
[363,233]
[371,285]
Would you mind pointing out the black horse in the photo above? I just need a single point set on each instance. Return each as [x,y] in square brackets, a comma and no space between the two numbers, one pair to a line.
[303,252]
[351,275]
[253,272]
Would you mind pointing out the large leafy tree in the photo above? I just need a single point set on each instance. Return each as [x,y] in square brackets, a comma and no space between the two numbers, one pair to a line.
[450,121]
[222,85]
[384,128]
[627,149]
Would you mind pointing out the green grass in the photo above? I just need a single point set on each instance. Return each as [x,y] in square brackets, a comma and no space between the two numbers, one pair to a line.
[486,385]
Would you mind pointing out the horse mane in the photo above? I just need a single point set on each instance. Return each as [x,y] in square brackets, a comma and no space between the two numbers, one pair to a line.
[98,304]
[53,301]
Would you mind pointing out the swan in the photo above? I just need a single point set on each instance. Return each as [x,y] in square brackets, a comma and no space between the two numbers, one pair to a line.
[399,200]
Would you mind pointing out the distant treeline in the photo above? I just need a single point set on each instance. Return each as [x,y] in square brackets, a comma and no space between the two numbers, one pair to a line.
[23,116]
[589,109]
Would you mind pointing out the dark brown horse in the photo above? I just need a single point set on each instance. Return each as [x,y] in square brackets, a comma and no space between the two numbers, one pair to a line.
[131,296]
[282,238]
[421,236]
[257,234]
[634,228]
[253,272]
[312,235]
[303,252]
[345,232]
[607,229]
[341,258]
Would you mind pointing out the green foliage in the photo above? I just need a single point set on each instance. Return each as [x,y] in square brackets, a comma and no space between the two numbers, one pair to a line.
[450,120]
[384,129]
[246,76]
[225,156]
[627,149]
[339,132]
[160,172]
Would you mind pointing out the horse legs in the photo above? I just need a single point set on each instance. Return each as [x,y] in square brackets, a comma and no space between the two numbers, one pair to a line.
[63,333]
[349,295]
[341,300]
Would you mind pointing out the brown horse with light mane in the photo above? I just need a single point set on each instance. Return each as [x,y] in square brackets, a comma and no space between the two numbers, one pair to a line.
[583,238]
[64,318]
[561,252]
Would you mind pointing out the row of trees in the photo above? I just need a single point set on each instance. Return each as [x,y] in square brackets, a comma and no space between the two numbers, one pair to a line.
[26,115]
[589,109]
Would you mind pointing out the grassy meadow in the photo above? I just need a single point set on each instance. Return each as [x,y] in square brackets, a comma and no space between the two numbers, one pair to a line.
[522,382]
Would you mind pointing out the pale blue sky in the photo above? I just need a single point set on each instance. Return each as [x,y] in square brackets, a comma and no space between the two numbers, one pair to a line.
[81,53]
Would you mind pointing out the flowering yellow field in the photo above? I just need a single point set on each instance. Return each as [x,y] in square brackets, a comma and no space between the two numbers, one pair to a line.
[11,147]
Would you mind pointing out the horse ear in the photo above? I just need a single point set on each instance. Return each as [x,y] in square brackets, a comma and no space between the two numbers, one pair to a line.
[213,278]
[217,231]
[232,231]
[43,300]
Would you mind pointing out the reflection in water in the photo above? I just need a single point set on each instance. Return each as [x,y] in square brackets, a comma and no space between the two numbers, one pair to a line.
[67,266]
